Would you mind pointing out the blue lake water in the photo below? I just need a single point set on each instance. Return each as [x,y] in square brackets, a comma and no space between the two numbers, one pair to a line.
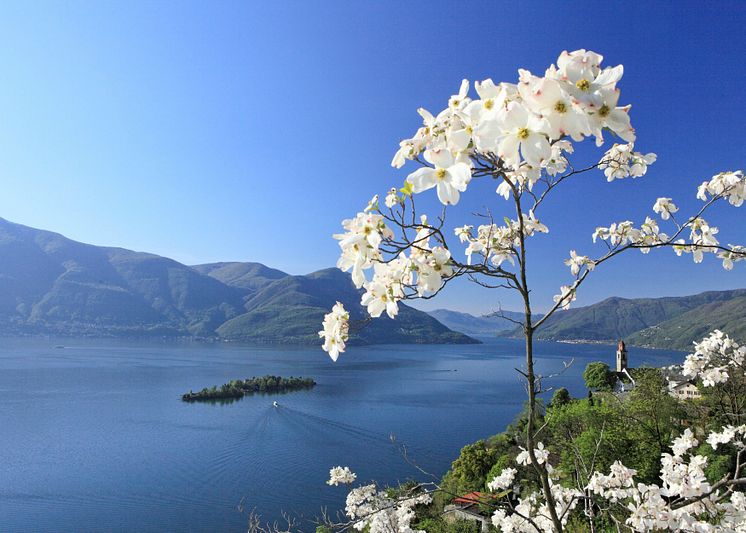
[94,437]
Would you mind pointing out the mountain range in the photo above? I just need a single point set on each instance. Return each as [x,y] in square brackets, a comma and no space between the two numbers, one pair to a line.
[53,285]
[493,324]
[669,322]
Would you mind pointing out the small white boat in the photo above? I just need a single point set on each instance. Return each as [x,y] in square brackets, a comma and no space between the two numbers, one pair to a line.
[275,404]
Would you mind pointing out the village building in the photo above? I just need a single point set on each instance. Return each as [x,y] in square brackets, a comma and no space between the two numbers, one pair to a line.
[679,386]
[467,508]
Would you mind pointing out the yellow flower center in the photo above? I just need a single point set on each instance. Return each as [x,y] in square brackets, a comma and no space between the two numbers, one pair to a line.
[489,103]
[583,84]
[440,173]
[560,107]
[523,133]
[604,111]
[469,130]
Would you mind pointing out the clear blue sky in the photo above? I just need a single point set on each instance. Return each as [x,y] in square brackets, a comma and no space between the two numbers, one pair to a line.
[214,131]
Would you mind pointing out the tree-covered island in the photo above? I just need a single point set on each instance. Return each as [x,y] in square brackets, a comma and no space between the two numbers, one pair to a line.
[237,388]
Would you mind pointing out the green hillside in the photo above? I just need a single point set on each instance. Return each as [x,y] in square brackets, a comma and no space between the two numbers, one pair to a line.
[672,322]
[679,333]
[291,309]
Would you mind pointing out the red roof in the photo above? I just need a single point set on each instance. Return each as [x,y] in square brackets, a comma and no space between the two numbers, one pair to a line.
[472,497]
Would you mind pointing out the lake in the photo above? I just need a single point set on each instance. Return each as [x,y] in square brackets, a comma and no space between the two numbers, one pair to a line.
[94,436]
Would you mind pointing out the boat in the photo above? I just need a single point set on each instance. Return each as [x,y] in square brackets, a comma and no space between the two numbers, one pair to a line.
[275,404]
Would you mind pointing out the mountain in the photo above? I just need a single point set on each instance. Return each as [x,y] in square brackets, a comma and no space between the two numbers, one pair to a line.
[249,276]
[53,285]
[468,324]
[728,316]
[49,283]
[671,322]
[292,308]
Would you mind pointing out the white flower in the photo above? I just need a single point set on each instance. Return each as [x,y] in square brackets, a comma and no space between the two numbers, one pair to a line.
[541,454]
[620,161]
[359,244]
[665,207]
[730,185]
[549,98]
[523,134]
[504,480]
[432,267]
[391,198]
[375,510]
[342,475]
[714,439]
[335,332]
[566,296]
[576,262]
[684,442]
[449,177]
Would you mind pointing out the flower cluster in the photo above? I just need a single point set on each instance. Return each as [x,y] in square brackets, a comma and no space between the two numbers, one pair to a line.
[526,125]
[615,486]
[541,454]
[341,475]
[532,512]
[360,243]
[621,161]
[713,358]
[498,244]
[336,331]
[375,510]
[504,480]
[624,233]
[730,185]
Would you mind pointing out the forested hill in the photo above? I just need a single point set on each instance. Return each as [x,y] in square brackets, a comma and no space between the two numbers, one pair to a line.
[672,322]
[53,285]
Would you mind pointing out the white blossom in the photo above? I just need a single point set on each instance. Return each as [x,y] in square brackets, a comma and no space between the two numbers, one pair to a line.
[341,475]
[665,207]
[621,161]
[335,332]
[503,480]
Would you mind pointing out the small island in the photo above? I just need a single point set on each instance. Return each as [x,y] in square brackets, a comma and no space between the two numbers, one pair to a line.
[237,388]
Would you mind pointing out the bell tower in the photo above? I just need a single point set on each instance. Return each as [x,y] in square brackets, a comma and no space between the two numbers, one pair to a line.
[621,357]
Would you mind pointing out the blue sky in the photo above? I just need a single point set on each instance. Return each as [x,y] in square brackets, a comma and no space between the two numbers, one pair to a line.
[214,131]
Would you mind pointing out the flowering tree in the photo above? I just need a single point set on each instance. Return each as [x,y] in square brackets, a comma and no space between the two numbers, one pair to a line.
[521,136]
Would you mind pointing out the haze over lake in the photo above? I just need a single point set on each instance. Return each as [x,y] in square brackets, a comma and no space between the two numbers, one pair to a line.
[94,436]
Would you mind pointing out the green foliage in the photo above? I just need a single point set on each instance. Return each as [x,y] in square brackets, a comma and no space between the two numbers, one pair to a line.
[439,525]
[239,388]
[561,397]
[597,376]
[470,469]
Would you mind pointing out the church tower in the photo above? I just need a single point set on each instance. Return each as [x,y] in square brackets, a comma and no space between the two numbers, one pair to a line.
[621,357]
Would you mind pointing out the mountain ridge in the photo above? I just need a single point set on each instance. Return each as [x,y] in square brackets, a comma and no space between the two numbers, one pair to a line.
[50,284]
